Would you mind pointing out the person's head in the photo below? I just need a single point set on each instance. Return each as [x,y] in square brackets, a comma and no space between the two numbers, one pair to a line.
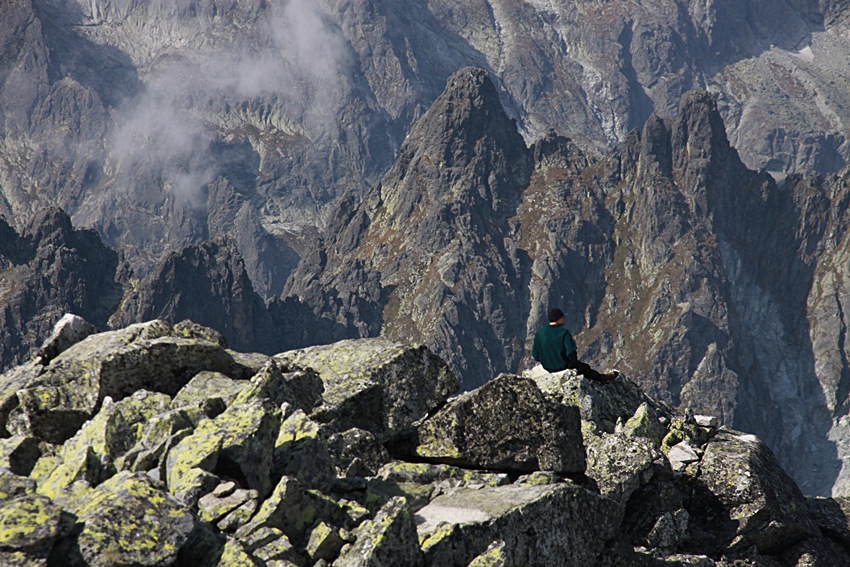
[556,316]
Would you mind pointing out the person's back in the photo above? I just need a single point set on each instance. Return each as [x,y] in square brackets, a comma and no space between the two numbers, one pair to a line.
[554,347]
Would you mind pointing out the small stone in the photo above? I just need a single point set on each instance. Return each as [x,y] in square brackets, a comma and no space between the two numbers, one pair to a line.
[225,489]
[278,550]
[324,542]
[707,421]
[389,539]
[681,455]
[238,517]
[214,508]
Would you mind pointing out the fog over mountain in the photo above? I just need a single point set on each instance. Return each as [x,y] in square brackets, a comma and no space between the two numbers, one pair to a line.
[671,173]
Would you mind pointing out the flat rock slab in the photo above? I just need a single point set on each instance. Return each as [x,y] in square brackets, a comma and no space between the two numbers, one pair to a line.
[556,524]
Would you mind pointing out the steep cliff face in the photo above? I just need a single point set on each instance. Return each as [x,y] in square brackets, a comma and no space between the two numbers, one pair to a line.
[133,115]
[426,255]
[711,285]
[208,284]
[49,270]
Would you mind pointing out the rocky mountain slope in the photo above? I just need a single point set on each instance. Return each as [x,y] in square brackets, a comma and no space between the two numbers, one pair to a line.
[231,151]
[710,284]
[164,125]
[156,445]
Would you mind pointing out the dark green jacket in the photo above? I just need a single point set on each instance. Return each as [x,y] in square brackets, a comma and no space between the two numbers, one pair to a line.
[554,348]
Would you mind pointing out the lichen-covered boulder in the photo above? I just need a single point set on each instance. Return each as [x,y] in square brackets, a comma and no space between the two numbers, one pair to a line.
[301,451]
[493,556]
[227,499]
[505,425]
[356,452]
[116,364]
[601,404]
[619,464]
[273,547]
[388,540]
[14,380]
[301,389]
[324,542]
[29,524]
[238,443]
[646,423]
[767,508]
[127,520]
[234,554]
[293,509]
[95,453]
[209,391]
[557,524]
[13,485]
[375,384]
[158,435]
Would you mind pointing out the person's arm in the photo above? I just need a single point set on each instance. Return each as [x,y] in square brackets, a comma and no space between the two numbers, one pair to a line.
[570,349]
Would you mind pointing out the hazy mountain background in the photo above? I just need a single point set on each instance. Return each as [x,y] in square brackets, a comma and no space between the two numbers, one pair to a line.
[295,172]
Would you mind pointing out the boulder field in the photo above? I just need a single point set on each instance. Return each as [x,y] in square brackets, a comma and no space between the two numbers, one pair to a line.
[156,445]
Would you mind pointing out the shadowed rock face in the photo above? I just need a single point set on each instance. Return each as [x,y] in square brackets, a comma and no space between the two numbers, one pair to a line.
[49,270]
[193,465]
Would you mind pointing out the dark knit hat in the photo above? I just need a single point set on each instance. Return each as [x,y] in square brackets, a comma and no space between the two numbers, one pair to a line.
[555,314]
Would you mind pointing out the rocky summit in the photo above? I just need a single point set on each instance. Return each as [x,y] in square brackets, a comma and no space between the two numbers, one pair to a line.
[157,445]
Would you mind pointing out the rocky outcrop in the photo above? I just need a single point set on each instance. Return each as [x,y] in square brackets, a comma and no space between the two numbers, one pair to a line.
[207,283]
[228,467]
[649,252]
[439,218]
[48,270]
[247,122]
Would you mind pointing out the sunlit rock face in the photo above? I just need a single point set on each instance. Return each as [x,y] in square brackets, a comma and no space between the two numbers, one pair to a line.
[236,458]
[315,144]
[710,284]
[166,124]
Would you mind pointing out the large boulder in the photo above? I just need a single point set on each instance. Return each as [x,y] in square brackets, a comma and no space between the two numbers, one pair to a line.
[555,524]
[127,520]
[238,444]
[619,464]
[29,525]
[96,452]
[68,331]
[601,404]
[764,506]
[505,425]
[374,384]
[153,356]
